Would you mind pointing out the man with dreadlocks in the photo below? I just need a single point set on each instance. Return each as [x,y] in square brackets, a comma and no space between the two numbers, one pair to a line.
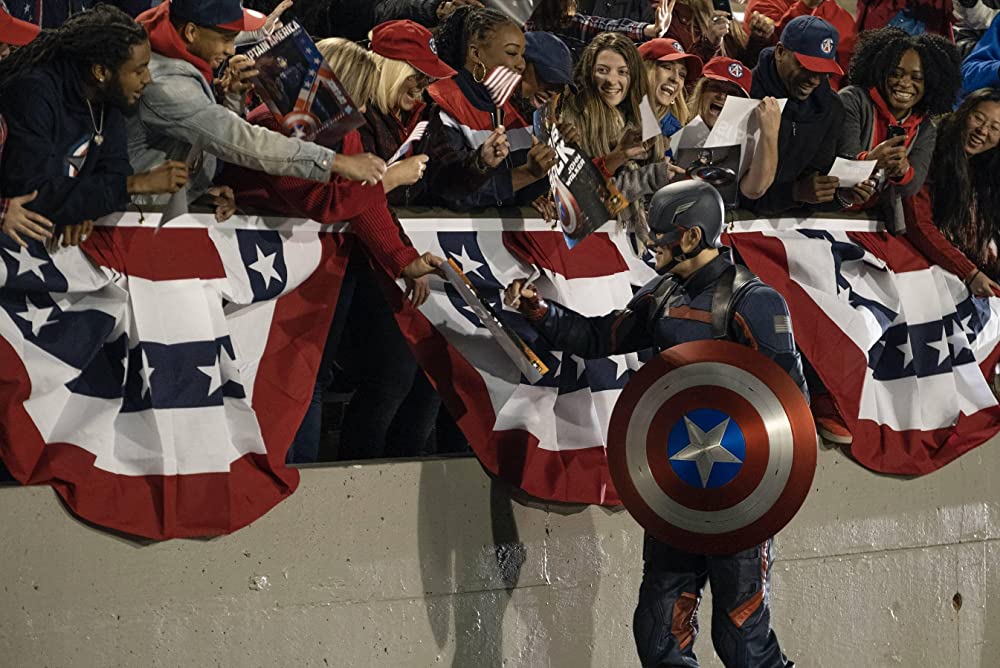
[63,98]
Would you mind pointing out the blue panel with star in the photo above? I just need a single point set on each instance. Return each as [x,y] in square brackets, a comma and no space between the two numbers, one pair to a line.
[921,350]
[706,448]
[263,255]
[71,336]
[104,376]
[30,269]
[183,375]
[463,247]
[849,252]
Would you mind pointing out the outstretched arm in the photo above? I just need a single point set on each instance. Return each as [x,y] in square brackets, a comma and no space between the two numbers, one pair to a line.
[587,337]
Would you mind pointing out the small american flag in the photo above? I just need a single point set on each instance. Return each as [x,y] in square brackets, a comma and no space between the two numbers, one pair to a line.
[501,83]
[415,136]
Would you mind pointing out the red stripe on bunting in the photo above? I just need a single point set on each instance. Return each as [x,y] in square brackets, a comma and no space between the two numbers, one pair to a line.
[594,257]
[141,252]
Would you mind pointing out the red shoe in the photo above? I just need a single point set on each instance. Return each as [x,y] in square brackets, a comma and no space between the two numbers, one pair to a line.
[829,424]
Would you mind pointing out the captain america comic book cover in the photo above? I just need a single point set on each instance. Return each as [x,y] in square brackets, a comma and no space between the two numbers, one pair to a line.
[300,89]
[584,199]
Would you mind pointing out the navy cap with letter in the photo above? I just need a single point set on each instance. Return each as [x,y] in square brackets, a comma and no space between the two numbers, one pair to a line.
[550,56]
[220,14]
[814,42]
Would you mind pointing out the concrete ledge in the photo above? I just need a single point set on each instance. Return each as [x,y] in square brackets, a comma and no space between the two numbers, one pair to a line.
[431,563]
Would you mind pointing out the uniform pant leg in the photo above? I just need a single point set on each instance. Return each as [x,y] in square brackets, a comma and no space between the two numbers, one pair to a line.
[665,623]
[741,616]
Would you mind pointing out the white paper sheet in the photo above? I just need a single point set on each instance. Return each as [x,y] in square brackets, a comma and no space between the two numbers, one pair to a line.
[852,172]
[733,124]
[650,126]
[692,135]
[177,205]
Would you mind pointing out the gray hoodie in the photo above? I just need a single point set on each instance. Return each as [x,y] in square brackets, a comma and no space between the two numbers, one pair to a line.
[178,110]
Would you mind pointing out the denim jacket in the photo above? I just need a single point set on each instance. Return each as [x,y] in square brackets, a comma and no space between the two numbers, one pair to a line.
[178,110]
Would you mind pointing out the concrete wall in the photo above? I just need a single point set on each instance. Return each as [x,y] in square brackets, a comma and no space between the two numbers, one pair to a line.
[427,564]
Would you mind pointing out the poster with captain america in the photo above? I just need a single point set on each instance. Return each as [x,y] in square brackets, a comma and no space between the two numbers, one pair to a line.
[300,89]
[584,199]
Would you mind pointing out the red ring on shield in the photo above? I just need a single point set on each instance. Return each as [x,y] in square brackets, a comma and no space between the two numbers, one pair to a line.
[754,464]
[798,463]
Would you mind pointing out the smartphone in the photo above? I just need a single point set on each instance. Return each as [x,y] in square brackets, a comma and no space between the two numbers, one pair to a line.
[722,6]
[896,131]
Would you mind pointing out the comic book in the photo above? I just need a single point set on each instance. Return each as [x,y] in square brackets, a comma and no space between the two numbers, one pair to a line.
[584,199]
[299,87]
[529,364]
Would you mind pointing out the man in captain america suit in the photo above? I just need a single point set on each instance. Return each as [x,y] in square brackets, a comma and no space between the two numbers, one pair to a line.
[699,295]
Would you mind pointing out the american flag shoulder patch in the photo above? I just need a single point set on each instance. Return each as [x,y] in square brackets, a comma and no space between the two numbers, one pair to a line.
[782,324]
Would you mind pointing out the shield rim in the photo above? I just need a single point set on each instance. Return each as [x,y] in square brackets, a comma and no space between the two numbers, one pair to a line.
[804,441]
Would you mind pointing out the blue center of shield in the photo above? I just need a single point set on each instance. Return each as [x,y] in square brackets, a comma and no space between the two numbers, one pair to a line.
[706,448]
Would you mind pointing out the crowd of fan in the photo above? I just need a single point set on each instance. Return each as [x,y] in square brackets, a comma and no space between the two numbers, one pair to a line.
[99,110]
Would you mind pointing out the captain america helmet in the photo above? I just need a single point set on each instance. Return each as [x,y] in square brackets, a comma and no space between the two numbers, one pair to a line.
[678,207]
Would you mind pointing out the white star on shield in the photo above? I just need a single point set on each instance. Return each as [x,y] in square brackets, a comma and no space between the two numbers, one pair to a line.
[705,449]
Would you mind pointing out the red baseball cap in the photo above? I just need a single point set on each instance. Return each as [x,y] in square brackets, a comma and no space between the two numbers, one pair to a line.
[731,71]
[664,50]
[412,43]
[15,31]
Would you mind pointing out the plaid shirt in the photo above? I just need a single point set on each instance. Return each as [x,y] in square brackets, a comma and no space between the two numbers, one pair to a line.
[581,29]
[3,140]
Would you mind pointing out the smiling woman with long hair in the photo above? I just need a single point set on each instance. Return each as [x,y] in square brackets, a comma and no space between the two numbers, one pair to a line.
[610,83]
[955,219]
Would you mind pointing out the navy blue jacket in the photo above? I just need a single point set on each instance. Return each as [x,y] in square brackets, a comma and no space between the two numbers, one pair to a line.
[759,320]
[807,138]
[50,147]
[48,13]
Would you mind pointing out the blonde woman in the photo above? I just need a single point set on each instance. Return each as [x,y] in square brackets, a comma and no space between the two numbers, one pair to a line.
[707,32]
[605,112]
[382,247]
[407,66]
[721,78]
[669,70]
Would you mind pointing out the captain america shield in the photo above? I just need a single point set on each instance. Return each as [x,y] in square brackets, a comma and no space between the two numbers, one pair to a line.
[712,447]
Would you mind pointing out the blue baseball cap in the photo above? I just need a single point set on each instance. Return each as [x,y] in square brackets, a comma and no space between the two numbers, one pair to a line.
[550,56]
[221,14]
[814,43]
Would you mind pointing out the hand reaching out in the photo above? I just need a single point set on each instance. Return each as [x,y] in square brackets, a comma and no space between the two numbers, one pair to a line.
[541,158]
[761,26]
[20,220]
[982,285]
[366,168]
[224,200]
[274,18]
[236,79]
[495,149]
